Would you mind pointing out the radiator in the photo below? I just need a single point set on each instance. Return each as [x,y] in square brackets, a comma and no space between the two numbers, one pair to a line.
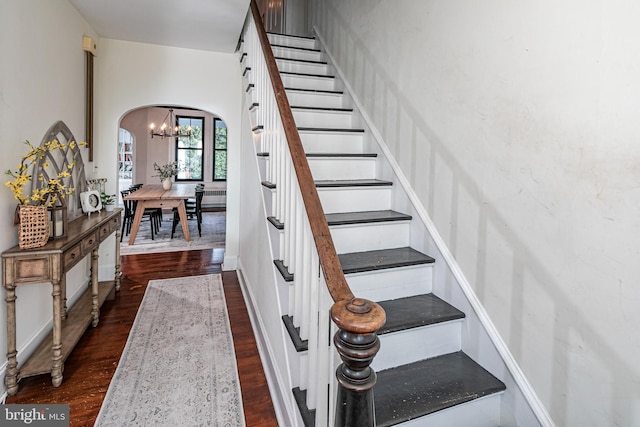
[215,196]
[216,192]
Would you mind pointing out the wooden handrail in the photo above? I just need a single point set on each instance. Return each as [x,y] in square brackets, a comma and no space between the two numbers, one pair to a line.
[358,319]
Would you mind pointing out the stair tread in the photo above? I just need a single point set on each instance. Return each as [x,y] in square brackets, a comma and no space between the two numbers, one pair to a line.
[415,311]
[330,183]
[282,46]
[365,217]
[347,218]
[293,36]
[340,110]
[306,61]
[402,393]
[351,155]
[356,262]
[339,130]
[323,91]
[320,76]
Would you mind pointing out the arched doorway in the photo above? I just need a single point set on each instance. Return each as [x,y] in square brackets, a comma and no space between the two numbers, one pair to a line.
[201,157]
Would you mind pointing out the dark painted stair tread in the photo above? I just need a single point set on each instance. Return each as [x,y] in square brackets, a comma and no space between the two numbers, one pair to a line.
[351,155]
[282,46]
[341,110]
[330,130]
[293,36]
[306,61]
[294,334]
[293,73]
[416,311]
[326,91]
[356,262]
[364,217]
[417,389]
[346,218]
[352,183]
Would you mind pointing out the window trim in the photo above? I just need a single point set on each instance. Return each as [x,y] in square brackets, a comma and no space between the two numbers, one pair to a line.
[202,149]
[214,149]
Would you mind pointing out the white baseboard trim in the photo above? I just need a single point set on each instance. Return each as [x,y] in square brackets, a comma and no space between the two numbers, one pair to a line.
[280,397]
[527,390]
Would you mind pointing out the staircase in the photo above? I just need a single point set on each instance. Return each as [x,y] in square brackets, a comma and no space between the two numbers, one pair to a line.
[424,378]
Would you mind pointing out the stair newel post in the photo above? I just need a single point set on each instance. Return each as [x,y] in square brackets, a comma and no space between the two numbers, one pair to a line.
[357,344]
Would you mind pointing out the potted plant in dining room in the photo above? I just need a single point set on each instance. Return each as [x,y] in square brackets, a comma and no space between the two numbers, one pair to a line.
[166,172]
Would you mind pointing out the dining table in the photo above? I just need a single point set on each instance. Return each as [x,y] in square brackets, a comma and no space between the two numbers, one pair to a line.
[155,196]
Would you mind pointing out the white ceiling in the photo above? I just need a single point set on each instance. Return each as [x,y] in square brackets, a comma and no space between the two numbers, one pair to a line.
[212,25]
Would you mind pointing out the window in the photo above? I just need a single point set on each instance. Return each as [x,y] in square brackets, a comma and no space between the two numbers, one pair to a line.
[219,150]
[189,150]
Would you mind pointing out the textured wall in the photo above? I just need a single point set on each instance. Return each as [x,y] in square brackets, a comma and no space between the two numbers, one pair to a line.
[516,124]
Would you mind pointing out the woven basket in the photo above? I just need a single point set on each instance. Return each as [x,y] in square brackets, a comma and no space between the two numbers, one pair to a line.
[33,230]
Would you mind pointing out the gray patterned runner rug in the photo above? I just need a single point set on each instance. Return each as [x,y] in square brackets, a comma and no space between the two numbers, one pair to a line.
[178,367]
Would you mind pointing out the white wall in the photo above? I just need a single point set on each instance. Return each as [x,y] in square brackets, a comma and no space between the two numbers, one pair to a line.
[41,82]
[132,75]
[517,126]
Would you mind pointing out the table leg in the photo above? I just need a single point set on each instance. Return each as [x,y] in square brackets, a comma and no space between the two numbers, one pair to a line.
[182,213]
[11,376]
[95,307]
[137,218]
[118,273]
[63,297]
[56,368]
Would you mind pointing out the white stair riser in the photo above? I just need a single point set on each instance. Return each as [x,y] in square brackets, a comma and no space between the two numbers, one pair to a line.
[354,199]
[263,163]
[276,237]
[331,142]
[342,168]
[370,237]
[392,283]
[418,344]
[322,119]
[305,55]
[301,67]
[326,169]
[483,412]
[308,82]
[314,99]
[292,41]
[269,200]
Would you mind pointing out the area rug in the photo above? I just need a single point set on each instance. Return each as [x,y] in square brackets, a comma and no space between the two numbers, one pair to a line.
[213,236]
[178,367]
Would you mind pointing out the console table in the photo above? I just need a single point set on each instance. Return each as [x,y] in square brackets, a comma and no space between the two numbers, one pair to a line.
[50,263]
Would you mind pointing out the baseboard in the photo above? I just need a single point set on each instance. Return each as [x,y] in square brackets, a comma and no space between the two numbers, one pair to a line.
[279,396]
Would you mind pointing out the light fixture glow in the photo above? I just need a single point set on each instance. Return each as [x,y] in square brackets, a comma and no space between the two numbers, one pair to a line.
[174,132]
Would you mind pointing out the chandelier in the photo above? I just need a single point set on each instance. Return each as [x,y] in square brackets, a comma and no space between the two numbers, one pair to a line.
[169,130]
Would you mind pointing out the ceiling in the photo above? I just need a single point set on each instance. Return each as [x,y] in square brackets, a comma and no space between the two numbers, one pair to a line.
[212,25]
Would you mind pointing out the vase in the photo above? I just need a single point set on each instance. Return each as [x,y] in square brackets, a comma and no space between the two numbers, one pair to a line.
[33,227]
[109,208]
[166,183]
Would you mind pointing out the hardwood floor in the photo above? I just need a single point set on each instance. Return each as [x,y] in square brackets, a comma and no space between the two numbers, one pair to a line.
[91,365]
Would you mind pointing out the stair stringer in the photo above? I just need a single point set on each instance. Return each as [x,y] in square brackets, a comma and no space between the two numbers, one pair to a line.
[481,340]
[256,266]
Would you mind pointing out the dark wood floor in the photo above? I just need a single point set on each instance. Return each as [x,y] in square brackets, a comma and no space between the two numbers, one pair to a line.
[90,367]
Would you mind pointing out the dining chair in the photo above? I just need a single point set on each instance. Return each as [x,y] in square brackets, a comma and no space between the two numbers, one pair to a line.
[129,213]
[193,211]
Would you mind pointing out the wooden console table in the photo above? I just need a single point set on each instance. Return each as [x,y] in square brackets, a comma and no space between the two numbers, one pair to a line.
[50,263]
